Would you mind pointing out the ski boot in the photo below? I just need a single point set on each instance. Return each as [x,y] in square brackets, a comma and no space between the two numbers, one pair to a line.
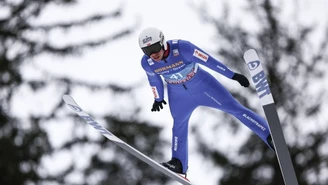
[175,165]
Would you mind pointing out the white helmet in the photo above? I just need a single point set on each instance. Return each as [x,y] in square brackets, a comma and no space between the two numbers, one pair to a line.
[152,40]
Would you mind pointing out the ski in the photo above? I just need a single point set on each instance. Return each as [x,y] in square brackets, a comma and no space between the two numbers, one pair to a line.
[86,117]
[264,92]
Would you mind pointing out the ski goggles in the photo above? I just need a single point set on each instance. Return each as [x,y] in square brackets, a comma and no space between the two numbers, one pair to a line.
[154,48]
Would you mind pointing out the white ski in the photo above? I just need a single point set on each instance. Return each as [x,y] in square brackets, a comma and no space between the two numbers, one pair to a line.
[263,90]
[78,110]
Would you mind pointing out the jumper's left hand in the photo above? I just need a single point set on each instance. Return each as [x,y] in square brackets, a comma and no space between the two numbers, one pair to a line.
[241,79]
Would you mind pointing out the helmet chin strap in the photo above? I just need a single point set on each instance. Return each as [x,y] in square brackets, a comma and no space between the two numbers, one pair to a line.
[166,52]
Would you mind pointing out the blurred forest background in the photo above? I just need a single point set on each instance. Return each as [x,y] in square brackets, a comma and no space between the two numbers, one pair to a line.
[295,65]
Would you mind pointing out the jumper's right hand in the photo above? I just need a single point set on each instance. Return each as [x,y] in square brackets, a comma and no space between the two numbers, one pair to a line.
[157,106]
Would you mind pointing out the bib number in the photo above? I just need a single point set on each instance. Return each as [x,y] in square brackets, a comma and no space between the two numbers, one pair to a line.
[176,76]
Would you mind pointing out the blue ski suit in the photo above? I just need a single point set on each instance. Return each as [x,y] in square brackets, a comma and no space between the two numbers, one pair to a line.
[189,86]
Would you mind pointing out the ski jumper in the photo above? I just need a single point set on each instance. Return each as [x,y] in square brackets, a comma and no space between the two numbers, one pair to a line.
[189,86]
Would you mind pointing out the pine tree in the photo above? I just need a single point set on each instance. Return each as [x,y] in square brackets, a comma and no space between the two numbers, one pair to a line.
[24,140]
[294,66]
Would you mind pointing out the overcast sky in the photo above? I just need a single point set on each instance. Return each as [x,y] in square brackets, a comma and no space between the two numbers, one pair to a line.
[119,62]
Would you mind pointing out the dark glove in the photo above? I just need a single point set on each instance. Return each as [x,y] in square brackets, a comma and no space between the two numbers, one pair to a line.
[241,79]
[157,105]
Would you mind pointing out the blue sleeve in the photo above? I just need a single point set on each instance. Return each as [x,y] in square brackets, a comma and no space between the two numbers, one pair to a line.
[155,80]
[193,53]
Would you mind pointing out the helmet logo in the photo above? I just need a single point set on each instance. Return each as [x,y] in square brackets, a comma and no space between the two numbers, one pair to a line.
[147,39]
